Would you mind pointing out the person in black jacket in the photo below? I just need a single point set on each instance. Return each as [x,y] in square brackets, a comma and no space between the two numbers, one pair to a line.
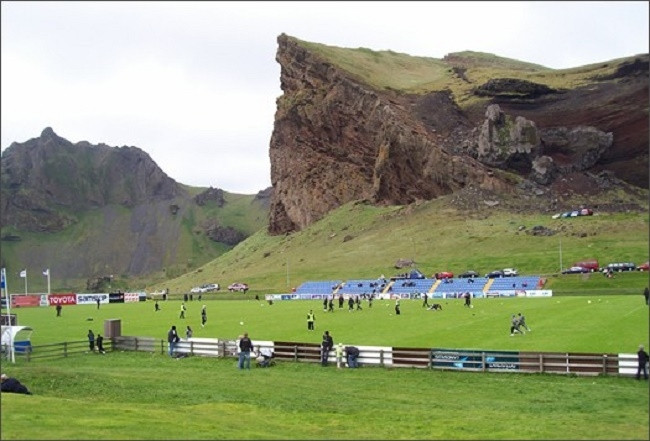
[245,348]
[352,353]
[172,339]
[326,346]
[10,384]
[91,340]
[643,361]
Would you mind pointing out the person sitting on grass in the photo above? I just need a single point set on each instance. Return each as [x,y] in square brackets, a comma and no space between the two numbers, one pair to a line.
[10,384]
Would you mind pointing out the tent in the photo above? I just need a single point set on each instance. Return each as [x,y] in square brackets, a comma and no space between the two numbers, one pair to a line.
[19,336]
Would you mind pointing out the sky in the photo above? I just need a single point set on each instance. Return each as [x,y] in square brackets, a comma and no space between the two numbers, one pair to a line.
[195,84]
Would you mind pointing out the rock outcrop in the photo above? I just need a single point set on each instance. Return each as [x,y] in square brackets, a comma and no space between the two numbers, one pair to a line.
[337,139]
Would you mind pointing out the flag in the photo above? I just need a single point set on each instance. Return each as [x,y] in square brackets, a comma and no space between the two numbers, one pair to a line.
[46,272]
[23,273]
[2,279]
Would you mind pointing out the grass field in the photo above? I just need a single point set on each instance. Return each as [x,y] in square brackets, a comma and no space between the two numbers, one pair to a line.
[127,395]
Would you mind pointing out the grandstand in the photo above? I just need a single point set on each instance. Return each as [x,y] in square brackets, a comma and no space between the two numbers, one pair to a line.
[407,286]
[516,283]
[362,286]
[473,286]
[318,287]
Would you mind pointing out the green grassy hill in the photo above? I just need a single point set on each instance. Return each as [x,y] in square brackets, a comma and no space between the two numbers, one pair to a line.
[359,240]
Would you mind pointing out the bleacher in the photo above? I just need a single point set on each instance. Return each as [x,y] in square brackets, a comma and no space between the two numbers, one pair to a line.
[516,283]
[462,285]
[362,286]
[407,286]
[318,287]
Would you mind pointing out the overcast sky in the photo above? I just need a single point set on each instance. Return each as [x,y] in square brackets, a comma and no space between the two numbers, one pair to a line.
[194,84]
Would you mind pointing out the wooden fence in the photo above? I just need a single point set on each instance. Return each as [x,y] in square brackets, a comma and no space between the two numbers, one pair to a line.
[583,364]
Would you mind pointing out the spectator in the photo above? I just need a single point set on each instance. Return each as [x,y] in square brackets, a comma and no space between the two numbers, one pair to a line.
[353,354]
[643,362]
[245,348]
[10,384]
[326,346]
[91,340]
[172,339]
[264,356]
[100,344]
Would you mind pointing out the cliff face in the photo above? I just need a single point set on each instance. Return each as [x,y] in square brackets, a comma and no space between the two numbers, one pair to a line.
[337,139]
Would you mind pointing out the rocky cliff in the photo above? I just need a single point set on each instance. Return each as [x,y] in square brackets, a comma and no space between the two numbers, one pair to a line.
[338,137]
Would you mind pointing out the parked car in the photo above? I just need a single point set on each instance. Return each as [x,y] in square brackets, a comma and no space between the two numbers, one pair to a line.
[620,266]
[644,267]
[241,287]
[575,270]
[208,287]
[591,264]
[444,275]
[469,275]
[494,274]
[510,272]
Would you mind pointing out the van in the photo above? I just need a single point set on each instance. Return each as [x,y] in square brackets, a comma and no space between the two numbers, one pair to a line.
[592,265]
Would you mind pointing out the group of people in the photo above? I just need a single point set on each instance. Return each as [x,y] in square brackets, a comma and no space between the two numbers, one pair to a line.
[92,342]
[517,322]
[263,356]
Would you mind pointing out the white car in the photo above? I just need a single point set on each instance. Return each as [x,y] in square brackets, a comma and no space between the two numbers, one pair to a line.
[509,272]
[205,288]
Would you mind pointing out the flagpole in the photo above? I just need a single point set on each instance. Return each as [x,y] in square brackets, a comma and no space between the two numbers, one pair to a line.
[25,282]
[48,282]
[12,354]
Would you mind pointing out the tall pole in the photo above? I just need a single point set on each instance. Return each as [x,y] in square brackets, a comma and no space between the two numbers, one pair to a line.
[25,282]
[288,283]
[48,282]
[560,254]
[11,352]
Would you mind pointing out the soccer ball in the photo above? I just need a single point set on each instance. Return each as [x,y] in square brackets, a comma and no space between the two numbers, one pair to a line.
[241,323]
[588,301]
[471,306]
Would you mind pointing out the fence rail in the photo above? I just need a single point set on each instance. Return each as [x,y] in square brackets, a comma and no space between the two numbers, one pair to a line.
[426,358]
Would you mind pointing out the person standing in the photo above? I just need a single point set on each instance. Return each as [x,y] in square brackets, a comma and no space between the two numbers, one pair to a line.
[182,310]
[310,320]
[642,356]
[325,304]
[98,302]
[245,348]
[330,304]
[91,340]
[204,316]
[58,310]
[468,299]
[350,303]
[189,332]
[397,310]
[156,306]
[100,344]
[326,346]
[357,300]
[172,339]
[646,293]
[341,300]
[425,303]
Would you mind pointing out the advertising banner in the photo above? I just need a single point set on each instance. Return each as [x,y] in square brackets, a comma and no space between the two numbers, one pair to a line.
[471,359]
[130,297]
[20,301]
[88,299]
[116,297]
[62,299]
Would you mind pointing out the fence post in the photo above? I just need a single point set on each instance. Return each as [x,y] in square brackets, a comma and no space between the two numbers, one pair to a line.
[191,348]
[483,363]
[162,346]
[28,352]
[604,364]
[295,352]
[65,348]
[431,359]
[381,357]
[541,362]
[136,344]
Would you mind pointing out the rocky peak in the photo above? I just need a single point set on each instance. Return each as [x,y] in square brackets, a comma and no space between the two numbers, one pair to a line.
[45,174]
